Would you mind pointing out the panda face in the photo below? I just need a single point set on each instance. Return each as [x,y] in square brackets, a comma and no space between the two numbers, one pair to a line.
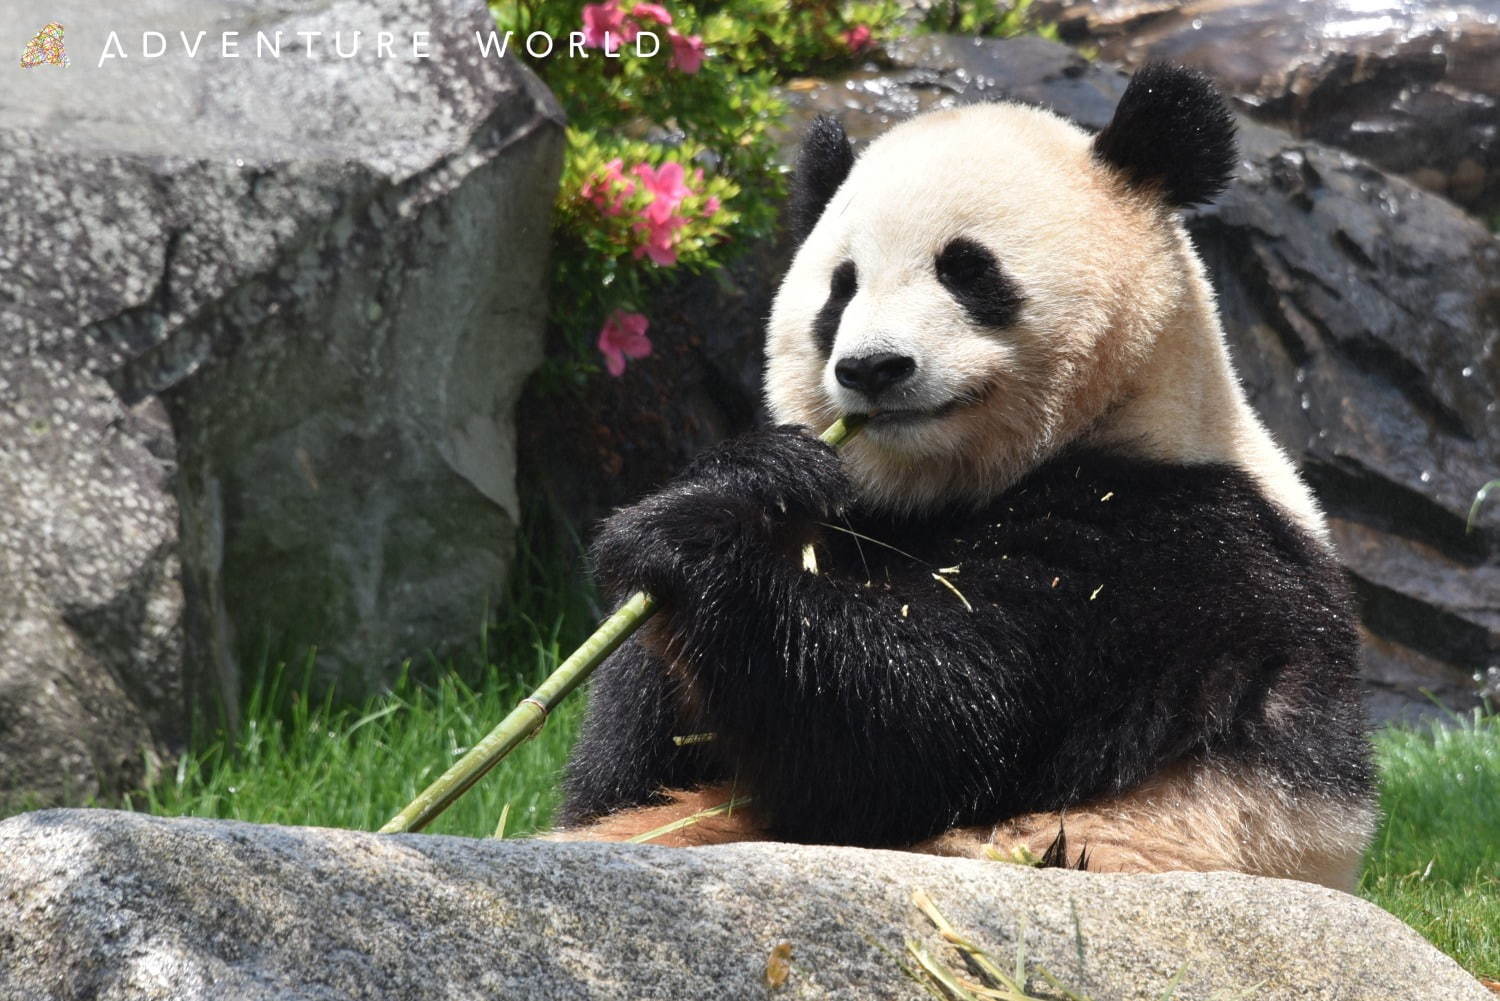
[982,286]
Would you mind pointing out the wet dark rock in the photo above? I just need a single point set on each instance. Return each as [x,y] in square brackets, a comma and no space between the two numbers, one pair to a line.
[1411,87]
[1363,314]
[324,278]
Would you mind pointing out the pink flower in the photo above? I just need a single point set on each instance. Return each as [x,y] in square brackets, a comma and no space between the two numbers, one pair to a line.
[857,38]
[687,51]
[710,205]
[614,173]
[651,12]
[666,188]
[659,239]
[623,336]
[605,26]
[609,189]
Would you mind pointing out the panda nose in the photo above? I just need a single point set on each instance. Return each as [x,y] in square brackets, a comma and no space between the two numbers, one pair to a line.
[875,373]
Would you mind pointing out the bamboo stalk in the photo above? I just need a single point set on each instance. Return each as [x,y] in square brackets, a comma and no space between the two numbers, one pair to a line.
[527,717]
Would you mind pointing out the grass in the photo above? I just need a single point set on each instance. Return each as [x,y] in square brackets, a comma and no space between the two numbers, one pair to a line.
[303,760]
[1436,861]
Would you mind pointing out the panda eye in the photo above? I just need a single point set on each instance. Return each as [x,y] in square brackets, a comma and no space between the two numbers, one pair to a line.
[845,282]
[962,263]
[972,276]
[841,288]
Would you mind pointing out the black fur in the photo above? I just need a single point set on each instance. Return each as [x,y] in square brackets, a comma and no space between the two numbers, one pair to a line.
[1126,615]
[972,276]
[825,159]
[841,288]
[1171,129]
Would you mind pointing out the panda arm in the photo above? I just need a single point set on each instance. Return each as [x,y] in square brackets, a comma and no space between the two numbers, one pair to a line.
[625,755]
[849,720]
[1115,638]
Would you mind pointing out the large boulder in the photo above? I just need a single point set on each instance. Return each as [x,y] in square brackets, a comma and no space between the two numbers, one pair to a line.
[320,279]
[1363,314]
[1412,87]
[90,600]
[104,905]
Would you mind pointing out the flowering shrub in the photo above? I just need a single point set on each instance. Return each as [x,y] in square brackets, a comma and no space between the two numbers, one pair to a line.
[670,161]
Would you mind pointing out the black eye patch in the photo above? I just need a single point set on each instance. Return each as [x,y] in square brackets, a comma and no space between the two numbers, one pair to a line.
[973,277]
[841,288]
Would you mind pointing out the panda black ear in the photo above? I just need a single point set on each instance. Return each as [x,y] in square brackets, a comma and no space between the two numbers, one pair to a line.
[1171,130]
[822,164]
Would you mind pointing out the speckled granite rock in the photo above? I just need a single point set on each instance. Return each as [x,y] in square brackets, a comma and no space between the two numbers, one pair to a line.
[327,273]
[104,905]
[90,603]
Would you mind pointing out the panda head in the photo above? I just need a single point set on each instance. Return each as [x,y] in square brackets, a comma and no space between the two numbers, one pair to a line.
[988,282]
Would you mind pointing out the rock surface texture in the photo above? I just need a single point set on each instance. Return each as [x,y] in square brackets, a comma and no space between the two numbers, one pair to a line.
[90,600]
[263,324]
[105,905]
[1411,87]
[1363,314]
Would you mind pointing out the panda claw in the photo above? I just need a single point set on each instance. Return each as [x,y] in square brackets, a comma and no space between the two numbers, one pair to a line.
[1056,855]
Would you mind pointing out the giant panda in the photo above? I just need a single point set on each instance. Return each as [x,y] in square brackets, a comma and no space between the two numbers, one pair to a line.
[1063,589]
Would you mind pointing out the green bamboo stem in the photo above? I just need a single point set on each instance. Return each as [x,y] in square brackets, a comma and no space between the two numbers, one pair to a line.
[527,718]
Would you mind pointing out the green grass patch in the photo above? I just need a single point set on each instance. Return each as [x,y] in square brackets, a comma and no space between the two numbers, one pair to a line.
[300,759]
[355,768]
[1436,860]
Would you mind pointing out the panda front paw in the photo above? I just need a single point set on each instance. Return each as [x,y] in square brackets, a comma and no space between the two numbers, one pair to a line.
[764,487]
[782,469]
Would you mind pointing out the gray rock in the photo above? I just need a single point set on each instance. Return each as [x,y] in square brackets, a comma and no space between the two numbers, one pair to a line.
[90,603]
[329,272]
[1411,87]
[105,905]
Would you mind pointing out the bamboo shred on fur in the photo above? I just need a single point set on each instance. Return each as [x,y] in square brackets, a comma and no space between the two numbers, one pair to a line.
[691,819]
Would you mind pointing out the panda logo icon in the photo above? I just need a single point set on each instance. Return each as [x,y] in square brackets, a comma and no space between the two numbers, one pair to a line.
[46,48]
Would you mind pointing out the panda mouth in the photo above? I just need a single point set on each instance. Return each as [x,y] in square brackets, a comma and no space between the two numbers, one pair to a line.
[897,418]
[894,418]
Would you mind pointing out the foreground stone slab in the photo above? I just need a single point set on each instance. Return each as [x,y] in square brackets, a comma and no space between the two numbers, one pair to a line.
[99,904]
